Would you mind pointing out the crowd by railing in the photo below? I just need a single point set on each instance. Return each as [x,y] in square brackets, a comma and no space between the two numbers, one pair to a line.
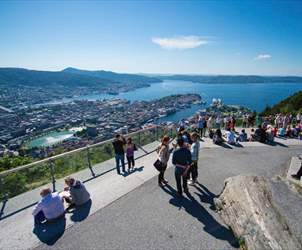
[30,176]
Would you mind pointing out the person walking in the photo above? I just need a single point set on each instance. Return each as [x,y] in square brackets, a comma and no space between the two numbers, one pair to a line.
[118,145]
[163,157]
[182,161]
[193,171]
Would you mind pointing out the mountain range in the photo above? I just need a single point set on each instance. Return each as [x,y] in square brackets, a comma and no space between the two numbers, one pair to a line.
[72,77]
[233,78]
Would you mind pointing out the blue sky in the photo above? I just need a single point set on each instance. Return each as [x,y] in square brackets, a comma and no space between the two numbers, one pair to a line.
[198,37]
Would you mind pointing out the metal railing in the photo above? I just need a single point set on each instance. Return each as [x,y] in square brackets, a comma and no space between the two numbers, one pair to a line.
[30,176]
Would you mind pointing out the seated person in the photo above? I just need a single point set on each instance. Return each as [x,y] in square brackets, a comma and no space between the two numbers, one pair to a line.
[78,194]
[288,131]
[260,134]
[217,137]
[50,207]
[252,136]
[230,136]
[270,136]
[242,136]
[275,131]
[281,132]
[211,133]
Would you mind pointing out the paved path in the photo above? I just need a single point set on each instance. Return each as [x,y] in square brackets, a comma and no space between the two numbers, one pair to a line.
[153,218]
[132,212]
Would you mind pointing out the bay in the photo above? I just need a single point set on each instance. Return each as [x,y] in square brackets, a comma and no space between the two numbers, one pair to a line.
[251,95]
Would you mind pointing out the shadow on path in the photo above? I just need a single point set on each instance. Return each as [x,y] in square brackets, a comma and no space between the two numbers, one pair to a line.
[140,169]
[205,195]
[278,144]
[225,145]
[50,232]
[195,209]
[81,212]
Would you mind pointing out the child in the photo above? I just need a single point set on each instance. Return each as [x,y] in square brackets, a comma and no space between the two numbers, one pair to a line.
[130,148]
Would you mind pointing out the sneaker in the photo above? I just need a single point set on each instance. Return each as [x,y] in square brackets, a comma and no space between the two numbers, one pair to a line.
[161,185]
[179,195]
[191,183]
[165,182]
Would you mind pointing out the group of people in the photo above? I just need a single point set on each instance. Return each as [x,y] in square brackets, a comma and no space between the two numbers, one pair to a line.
[121,147]
[184,157]
[208,123]
[51,206]
[268,128]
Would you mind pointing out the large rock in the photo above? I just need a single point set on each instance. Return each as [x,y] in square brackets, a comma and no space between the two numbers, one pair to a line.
[247,206]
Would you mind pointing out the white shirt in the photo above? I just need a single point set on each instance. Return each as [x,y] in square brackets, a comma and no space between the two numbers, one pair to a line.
[51,205]
[230,137]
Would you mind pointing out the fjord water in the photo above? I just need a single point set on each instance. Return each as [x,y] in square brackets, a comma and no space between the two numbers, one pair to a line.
[252,95]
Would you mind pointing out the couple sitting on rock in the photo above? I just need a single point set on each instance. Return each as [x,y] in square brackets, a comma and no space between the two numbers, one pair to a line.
[51,205]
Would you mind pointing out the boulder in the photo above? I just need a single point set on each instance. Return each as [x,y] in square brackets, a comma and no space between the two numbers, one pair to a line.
[247,206]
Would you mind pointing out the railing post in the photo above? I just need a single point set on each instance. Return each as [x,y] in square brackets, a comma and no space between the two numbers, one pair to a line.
[4,198]
[52,172]
[171,132]
[89,162]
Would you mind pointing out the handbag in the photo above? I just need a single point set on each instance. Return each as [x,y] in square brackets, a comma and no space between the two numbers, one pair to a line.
[158,165]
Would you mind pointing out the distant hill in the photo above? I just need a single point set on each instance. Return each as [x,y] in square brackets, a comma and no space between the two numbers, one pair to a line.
[233,79]
[70,77]
[118,77]
[19,76]
[292,104]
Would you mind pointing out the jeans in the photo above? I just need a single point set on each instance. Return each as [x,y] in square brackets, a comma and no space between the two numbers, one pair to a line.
[161,176]
[178,176]
[193,171]
[200,132]
[118,159]
[131,162]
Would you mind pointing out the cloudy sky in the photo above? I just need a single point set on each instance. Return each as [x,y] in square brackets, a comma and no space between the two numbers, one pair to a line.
[197,37]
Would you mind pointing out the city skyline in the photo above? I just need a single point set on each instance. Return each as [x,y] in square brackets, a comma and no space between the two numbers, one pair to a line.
[171,37]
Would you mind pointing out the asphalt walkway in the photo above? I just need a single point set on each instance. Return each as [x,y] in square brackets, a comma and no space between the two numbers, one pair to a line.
[150,217]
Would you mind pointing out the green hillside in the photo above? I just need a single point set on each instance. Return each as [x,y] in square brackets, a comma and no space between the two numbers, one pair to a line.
[292,104]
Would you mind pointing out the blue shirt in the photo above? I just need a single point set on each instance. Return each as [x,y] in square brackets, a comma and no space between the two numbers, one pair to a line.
[51,205]
[182,156]
[195,150]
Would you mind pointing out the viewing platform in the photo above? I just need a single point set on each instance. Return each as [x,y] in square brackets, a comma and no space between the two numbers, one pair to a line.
[132,212]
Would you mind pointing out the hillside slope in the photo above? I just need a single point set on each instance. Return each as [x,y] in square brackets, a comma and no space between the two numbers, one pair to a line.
[292,104]
[123,78]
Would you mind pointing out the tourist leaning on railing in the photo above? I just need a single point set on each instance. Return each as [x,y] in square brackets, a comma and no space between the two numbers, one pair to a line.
[118,145]
[130,148]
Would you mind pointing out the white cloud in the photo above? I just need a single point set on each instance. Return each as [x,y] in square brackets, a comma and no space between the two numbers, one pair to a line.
[180,42]
[263,57]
